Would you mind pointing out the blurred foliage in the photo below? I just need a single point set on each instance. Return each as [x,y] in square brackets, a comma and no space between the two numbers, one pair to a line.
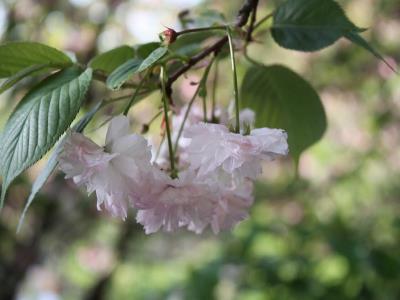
[332,234]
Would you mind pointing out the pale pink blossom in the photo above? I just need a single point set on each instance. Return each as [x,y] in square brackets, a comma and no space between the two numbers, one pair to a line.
[114,172]
[195,115]
[246,117]
[193,203]
[232,206]
[175,203]
[213,148]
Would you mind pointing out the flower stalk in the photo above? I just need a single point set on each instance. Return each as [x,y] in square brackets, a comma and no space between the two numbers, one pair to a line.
[135,94]
[235,83]
[174,173]
[200,85]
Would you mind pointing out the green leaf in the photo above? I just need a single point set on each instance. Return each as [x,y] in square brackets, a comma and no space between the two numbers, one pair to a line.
[53,162]
[123,73]
[110,60]
[208,18]
[189,44]
[310,25]
[132,67]
[39,120]
[282,99]
[153,58]
[144,50]
[17,56]
[358,40]
[10,82]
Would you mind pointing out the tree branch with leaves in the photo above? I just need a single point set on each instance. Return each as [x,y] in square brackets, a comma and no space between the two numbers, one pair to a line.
[206,176]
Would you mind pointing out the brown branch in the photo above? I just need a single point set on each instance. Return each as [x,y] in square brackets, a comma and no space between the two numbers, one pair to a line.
[252,22]
[241,20]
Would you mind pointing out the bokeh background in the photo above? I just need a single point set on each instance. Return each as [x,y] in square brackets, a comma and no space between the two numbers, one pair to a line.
[332,233]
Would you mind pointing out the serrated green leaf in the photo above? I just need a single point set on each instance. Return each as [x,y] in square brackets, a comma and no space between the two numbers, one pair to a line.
[123,73]
[10,82]
[310,25]
[358,40]
[53,162]
[39,120]
[152,59]
[283,99]
[17,56]
[111,60]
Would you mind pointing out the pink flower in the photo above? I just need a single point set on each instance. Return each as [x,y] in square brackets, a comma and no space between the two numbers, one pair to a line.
[232,207]
[193,203]
[213,148]
[176,203]
[113,172]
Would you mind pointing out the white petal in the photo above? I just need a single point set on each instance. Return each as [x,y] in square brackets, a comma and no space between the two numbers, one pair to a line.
[119,127]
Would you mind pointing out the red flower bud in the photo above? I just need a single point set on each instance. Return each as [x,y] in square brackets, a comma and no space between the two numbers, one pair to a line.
[168,36]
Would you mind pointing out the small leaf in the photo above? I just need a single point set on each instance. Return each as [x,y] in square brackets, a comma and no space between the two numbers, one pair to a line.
[144,50]
[153,58]
[358,40]
[123,73]
[110,60]
[17,56]
[39,120]
[282,99]
[310,25]
[133,66]
[189,44]
[10,82]
[53,162]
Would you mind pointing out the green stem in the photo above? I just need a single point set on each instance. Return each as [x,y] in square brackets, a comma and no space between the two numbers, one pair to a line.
[204,109]
[135,94]
[214,92]
[235,83]
[159,148]
[259,23]
[186,116]
[191,104]
[163,78]
[113,100]
[154,118]
[203,84]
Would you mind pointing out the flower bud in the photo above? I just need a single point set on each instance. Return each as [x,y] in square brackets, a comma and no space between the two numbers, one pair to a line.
[168,36]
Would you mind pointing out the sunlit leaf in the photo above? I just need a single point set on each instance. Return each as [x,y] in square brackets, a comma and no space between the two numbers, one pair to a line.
[53,162]
[17,56]
[39,120]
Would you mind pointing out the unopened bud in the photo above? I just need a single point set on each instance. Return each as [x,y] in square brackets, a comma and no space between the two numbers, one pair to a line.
[168,36]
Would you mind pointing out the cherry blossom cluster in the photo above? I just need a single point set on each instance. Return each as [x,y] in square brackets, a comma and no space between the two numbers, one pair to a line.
[215,177]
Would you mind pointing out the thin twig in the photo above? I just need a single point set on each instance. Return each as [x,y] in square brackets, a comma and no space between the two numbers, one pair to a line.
[259,23]
[252,22]
[167,125]
[214,92]
[241,20]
